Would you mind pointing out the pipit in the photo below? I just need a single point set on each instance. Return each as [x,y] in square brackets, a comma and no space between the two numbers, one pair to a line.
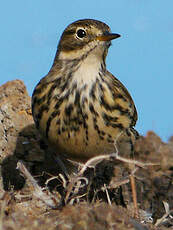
[79,106]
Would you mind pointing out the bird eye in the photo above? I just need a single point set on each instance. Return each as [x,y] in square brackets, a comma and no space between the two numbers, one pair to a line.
[81,33]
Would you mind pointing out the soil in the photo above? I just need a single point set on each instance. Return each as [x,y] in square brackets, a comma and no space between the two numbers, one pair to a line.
[100,197]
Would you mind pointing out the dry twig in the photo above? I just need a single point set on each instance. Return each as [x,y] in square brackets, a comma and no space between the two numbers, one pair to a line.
[50,200]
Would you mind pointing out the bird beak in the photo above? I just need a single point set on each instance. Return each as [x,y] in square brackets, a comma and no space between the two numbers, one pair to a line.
[108,37]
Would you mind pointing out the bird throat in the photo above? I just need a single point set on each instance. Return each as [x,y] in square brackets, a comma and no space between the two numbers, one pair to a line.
[82,72]
[88,71]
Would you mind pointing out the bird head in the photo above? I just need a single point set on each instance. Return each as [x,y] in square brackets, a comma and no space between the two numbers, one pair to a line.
[85,36]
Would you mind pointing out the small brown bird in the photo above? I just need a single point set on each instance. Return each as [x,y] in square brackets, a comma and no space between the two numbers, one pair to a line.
[80,107]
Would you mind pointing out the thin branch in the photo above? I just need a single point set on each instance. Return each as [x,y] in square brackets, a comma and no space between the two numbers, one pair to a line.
[49,200]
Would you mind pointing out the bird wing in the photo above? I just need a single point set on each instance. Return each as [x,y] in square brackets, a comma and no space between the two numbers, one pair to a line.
[120,91]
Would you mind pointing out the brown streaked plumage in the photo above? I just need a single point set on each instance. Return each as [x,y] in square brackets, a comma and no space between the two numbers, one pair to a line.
[80,107]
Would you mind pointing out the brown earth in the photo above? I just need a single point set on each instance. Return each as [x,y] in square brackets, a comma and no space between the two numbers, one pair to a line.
[105,203]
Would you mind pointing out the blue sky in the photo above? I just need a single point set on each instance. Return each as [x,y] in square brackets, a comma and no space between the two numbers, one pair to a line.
[142,58]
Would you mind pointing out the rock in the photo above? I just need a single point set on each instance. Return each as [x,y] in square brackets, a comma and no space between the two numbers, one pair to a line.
[19,138]
[15,114]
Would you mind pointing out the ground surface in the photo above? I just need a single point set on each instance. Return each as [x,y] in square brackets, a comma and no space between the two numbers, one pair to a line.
[103,204]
